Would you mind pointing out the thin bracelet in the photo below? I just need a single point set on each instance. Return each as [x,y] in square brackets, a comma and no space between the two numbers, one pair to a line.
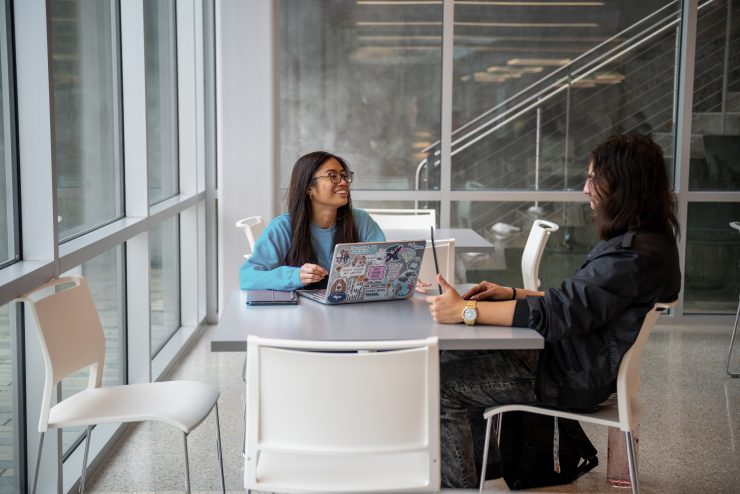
[513,293]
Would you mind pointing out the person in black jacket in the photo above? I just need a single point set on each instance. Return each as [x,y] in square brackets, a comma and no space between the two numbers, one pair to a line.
[588,323]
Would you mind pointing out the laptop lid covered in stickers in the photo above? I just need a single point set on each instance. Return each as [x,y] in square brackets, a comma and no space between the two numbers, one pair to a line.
[373,271]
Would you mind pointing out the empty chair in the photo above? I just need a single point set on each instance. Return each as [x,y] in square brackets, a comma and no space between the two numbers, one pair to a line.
[445,258]
[400,219]
[349,416]
[72,339]
[538,237]
[625,414]
[252,226]
[733,373]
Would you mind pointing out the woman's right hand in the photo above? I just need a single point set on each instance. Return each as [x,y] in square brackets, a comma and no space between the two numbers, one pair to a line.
[485,290]
[311,273]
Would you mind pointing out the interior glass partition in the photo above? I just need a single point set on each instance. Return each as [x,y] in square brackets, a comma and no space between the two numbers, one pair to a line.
[10,403]
[87,115]
[362,80]
[712,246]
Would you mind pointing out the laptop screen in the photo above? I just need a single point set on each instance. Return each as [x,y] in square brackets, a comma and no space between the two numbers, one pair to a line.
[372,271]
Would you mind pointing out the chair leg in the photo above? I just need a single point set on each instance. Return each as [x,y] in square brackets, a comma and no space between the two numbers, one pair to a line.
[485,454]
[732,341]
[38,463]
[88,433]
[220,452]
[187,464]
[632,461]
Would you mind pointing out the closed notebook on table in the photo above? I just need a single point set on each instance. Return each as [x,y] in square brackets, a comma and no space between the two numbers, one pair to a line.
[271,297]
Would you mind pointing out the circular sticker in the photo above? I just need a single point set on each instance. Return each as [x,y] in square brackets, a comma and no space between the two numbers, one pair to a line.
[337,297]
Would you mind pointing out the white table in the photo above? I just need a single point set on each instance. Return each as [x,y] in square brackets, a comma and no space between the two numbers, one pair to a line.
[397,319]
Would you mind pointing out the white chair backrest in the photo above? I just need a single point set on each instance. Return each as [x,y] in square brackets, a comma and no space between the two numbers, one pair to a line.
[445,259]
[628,378]
[735,225]
[342,399]
[390,219]
[538,237]
[252,226]
[70,331]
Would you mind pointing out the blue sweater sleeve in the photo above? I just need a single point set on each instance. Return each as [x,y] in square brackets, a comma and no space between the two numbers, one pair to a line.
[265,269]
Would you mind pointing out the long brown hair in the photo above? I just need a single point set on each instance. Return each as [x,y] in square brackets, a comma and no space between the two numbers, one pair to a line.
[299,208]
[630,181]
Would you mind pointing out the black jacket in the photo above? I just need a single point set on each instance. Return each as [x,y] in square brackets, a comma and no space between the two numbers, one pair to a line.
[591,321]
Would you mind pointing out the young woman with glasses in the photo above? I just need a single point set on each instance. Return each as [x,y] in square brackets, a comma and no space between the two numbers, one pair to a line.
[588,322]
[294,251]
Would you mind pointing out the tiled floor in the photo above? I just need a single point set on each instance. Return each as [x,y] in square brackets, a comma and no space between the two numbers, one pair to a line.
[689,439]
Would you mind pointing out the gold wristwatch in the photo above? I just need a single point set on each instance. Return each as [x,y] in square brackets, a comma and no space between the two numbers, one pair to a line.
[470,312]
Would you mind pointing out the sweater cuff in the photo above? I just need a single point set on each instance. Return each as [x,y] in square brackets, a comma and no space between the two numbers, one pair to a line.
[521,314]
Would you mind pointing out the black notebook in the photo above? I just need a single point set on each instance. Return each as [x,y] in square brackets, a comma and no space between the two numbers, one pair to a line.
[271,297]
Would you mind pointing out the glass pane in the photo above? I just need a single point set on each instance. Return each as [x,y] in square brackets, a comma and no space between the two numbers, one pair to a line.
[87,121]
[715,125]
[506,225]
[712,278]
[362,80]
[9,404]
[8,225]
[104,276]
[164,272]
[536,87]
[160,58]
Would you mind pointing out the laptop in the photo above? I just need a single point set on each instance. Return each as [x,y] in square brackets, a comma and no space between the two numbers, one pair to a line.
[371,272]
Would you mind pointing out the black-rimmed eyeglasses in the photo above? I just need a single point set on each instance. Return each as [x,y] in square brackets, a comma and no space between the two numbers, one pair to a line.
[336,178]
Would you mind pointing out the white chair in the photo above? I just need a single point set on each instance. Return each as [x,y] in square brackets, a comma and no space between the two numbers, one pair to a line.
[72,339]
[538,237]
[445,258]
[342,416]
[403,219]
[627,412]
[731,373]
[252,226]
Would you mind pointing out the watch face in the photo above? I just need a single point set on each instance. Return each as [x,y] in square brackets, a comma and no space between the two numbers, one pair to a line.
[469,313]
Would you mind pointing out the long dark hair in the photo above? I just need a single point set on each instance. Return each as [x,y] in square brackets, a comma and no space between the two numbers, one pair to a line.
[299,208]
[630,181]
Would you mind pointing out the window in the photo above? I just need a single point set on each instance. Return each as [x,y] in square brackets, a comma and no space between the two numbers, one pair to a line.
[11,411]
[161,99]
[362,80]
[87,117]
[104,275]
[164,256]
[8,199]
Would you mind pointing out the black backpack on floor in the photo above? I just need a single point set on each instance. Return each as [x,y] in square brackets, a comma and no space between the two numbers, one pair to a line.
[529,450]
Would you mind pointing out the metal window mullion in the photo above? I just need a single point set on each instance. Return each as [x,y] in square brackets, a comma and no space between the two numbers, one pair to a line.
[682,143]
[448,41]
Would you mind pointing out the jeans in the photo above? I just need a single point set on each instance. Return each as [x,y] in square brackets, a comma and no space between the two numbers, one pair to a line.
[469,382]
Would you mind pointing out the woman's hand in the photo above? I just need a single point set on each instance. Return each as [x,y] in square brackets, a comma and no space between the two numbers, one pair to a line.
[448,307]
[311,273]
[422,286]
[485,290]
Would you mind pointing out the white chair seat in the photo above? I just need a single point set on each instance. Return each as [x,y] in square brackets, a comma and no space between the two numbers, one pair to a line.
[343,473]
[170,402]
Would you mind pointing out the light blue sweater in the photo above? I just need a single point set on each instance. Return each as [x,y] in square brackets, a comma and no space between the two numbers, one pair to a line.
[266,268]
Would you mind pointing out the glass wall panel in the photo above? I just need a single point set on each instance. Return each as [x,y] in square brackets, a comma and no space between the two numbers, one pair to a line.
[104,275]
[536,87]
[712,277]
[10,405]
[715,125]
[160,57]
[87,120]
[8,206]
[362,80]
[506,225]
[164,272]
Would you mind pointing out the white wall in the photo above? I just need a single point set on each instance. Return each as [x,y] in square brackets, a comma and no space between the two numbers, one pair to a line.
[246,86]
